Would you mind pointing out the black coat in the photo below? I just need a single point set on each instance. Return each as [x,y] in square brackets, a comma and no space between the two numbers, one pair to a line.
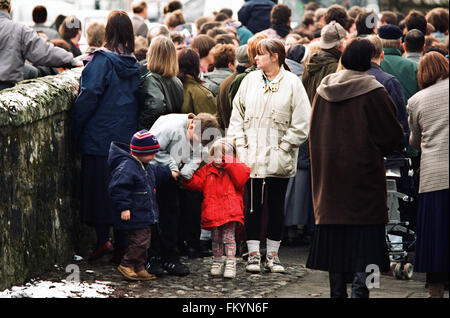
[158,95]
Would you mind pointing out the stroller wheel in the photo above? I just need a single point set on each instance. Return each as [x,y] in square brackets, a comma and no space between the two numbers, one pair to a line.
[392,266]
[408,271]
[398,273]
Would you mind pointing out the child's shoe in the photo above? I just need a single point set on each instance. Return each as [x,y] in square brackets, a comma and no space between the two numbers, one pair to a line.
[230,268]
[217,266]
[254,262]
[273,263]
[128,272]
[144,275]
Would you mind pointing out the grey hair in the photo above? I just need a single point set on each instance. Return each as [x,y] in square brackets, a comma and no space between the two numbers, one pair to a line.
[157,30]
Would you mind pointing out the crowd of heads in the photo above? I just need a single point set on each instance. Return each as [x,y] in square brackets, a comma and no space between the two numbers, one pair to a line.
[359,30]
[212,41]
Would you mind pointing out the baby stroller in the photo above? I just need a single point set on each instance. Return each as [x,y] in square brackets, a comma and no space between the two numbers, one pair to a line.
[400,230]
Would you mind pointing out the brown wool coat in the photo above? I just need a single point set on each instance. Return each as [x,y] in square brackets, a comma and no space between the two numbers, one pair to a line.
[223,101]
[353,126]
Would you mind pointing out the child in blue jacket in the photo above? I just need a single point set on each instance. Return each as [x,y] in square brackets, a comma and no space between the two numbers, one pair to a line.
[133,193]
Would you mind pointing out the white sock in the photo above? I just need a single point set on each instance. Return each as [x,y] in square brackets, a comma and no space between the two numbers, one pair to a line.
[205,235]
[253,246]
[272,246]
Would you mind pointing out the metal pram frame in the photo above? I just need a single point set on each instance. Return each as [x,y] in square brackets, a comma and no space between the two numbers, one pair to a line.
[400,236]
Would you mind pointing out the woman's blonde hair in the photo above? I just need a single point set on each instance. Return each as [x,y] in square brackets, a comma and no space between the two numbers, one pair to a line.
[162,57]
[226,146]
[377,43]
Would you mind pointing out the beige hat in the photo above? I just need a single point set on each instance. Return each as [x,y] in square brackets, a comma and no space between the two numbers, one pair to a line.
[331,35]
[5,4]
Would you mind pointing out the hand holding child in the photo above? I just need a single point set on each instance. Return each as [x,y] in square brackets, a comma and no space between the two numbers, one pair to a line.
[175,174]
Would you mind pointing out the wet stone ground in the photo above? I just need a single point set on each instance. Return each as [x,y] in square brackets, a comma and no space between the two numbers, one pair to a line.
[199,284]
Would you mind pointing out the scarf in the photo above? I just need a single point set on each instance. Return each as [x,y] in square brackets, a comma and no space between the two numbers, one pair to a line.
[282,30]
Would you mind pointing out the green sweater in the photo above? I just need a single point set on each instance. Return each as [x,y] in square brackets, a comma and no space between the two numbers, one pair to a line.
[237,82]
[404,70]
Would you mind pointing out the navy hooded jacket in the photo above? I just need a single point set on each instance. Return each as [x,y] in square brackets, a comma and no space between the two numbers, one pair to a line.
[395,90]
[133,187]
[106,109]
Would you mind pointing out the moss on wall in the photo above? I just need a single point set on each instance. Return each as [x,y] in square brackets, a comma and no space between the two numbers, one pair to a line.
[39,178]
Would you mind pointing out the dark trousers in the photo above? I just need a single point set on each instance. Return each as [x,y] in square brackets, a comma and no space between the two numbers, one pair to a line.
[120,237]
[5,85]
[191,218]
[165,241]
[437,278]
[136,252]
[338,285]
[274,201]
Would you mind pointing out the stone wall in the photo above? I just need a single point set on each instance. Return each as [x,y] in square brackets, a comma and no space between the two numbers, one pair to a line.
[39,178]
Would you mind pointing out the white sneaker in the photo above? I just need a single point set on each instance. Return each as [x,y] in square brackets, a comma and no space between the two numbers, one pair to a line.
[217,267]
[273,263]
[230,268]
[254,262]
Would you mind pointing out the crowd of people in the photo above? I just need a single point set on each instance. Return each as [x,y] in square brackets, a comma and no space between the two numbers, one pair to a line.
[222,137]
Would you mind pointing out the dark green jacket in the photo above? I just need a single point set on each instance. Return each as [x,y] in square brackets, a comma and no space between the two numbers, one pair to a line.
[158,96]
[197,98]
[237,82]
[322,63]
[404,70]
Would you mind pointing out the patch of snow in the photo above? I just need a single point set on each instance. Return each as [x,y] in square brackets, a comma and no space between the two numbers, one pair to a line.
[63,289]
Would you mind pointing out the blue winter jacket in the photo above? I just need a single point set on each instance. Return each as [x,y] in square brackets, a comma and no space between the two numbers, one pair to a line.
[133,187]
[106,109]
[255,15]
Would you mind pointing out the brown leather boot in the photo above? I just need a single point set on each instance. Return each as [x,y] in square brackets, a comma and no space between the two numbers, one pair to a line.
[127,272]
[144,275]
[436,290]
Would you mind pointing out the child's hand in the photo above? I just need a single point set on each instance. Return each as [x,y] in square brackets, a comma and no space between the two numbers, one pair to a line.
[125,215]
[175,174]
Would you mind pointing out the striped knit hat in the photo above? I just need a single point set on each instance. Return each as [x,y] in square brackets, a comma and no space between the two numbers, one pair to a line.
[143,143]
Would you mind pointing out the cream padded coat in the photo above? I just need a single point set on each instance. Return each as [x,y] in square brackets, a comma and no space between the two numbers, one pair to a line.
[269,121]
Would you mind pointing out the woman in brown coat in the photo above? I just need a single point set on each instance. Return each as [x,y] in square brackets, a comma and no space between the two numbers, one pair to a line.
[353,126]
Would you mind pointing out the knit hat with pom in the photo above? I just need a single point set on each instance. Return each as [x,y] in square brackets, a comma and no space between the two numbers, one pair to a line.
[144,143]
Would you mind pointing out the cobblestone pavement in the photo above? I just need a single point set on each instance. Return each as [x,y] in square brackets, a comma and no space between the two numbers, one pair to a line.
[297,282]
[199,284]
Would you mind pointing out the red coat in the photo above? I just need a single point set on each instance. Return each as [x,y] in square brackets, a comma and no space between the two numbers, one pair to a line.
[222,193]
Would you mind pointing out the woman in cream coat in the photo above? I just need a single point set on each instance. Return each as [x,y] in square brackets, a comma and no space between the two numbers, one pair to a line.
[269,121]
[428,120]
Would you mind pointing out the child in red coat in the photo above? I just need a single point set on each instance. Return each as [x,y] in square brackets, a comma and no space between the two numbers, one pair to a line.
[222,182]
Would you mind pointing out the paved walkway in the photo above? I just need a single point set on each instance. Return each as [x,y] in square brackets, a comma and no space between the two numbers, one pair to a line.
[315,284]
[297,282]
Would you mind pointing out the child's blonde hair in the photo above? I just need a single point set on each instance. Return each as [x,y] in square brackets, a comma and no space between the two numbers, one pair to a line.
[226,146]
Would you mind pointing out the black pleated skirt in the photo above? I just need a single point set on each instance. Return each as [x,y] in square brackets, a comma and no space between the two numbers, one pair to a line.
[432,247]
[348,248]
[96,203]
